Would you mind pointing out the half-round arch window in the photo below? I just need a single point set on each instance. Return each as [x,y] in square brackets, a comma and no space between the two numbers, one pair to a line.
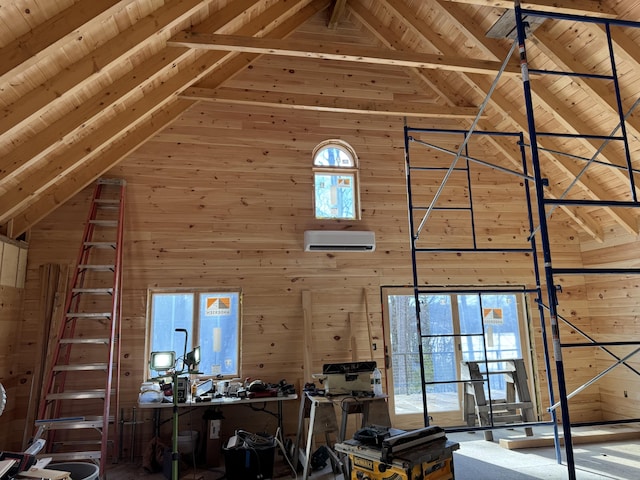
[335,180]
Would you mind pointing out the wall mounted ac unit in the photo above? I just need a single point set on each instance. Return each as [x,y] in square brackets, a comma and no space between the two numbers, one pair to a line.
[339,240]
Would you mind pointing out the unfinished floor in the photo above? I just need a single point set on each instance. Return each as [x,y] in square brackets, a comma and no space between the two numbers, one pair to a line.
[479,459]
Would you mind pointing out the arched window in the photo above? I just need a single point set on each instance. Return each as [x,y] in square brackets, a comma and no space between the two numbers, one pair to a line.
[335,181]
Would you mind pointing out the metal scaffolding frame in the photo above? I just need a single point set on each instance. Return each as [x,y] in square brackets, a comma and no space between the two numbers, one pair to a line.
[544,207]
[543,202]
[416,230]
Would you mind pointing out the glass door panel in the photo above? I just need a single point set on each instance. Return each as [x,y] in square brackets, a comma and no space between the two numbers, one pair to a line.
[455,328]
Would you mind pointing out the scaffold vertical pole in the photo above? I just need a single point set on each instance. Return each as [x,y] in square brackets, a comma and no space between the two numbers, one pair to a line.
[546,251]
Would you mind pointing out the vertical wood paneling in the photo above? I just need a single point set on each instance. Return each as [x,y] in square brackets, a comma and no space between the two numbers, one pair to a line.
[11,377]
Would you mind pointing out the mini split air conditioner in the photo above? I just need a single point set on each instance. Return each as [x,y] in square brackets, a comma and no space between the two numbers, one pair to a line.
[339,240]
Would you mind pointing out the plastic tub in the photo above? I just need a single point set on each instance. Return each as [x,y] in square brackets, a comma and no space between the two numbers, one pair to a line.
[78,470]
[187,441]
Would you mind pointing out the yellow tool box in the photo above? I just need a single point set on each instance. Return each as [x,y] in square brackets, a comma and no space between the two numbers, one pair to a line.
[391,454]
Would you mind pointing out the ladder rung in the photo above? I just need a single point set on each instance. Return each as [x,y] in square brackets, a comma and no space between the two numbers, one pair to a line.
[96,267]
[80,367]
[506,418]
[100,244]
[71,423]
[77,395]
[89,315]
[111,181]
[102,341]
[91,455]
[72,443]
[107,201]
[94,291]
[104,223]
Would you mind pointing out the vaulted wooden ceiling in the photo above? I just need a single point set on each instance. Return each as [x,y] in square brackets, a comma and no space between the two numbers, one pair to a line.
[84,83]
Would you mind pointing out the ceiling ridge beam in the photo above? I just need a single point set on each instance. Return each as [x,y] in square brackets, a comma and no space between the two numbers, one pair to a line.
[337,51]
[325,103]
[590,8]
[69,80]
[49,36]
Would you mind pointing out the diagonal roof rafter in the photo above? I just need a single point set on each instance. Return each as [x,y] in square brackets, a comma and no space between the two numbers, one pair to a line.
[575,125]
[278,21]
[480,84]
[71,79]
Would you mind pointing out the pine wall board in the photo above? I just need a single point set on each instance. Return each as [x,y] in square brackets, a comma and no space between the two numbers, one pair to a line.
[614,302]
[220,207]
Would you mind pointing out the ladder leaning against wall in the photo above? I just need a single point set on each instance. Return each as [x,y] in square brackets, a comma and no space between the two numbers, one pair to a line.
[82,373]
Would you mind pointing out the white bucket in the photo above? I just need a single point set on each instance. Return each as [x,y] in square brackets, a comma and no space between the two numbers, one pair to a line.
[78,470]
[187,441]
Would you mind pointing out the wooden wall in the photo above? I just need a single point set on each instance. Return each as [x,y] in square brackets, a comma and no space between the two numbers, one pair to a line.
[13,263]
[615,314]
[222,199]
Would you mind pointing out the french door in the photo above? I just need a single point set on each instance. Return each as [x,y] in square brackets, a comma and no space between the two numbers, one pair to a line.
[455,327]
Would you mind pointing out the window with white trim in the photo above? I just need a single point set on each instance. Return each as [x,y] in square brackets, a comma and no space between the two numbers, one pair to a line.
[212,320]
[335,181]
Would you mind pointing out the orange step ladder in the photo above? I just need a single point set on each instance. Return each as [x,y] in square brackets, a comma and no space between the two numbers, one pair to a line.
[82,374]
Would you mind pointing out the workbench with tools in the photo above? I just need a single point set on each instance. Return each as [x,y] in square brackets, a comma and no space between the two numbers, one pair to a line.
[378,453]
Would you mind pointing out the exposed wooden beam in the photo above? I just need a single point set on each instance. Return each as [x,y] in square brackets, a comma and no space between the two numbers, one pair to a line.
[328,51]
[276,20]
[337,12]
[50,35]
[592,8]
[597,90]
[55,196]
[479,83]
[545,98]
[565,60]
[386,37]
[322,103]
[69,80]
[53,136]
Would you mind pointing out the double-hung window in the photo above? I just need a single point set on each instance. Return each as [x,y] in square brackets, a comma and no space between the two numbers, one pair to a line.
[210,319]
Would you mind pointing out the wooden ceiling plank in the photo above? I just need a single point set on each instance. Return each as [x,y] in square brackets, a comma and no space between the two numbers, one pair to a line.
[227,15]
[337,13]
[388,39]
[59,193]
[624,46]
[351,53]
[237,64]
[596,89]
[553,106]
[325,103]
[49,36]
[591,8]
[53,136]
[53,169]
[479,82]
[88,68]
